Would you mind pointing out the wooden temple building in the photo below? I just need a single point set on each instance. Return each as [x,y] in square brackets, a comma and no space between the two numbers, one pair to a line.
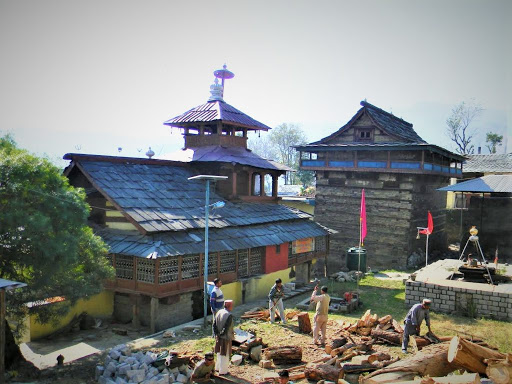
[400,173]
[152,218]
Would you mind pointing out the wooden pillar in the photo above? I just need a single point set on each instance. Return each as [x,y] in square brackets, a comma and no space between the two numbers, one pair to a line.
[2,335]
[250,183]
[135,310]
[233,177]
[156,281]
[355,159]
[134,273]
[245,132]
[275,184]
[389,160]
[218,264]
[262,184]
[422,159]
[153,314]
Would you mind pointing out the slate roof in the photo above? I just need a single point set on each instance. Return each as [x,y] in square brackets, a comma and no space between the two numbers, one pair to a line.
[190,242]
[216,111]
[158,196]
[217,153]
[318,146]
[495,163]
[386,121]
[484,184]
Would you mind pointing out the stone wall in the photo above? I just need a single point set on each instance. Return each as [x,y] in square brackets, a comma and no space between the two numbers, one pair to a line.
[469,299]
[396,203]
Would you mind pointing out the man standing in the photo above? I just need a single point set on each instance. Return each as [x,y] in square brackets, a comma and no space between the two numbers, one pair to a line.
[275,299]
[223,327]
[322,311]
[413,321]
[216,297]
[204,369]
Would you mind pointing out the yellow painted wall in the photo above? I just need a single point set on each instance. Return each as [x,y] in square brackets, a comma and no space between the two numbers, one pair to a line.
[300,205]
[233,291]
[100,305]
[259,287]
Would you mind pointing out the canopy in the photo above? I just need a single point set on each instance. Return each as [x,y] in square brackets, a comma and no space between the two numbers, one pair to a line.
[484,184]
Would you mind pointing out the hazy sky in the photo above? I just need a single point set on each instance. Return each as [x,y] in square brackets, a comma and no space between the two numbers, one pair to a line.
[91,76]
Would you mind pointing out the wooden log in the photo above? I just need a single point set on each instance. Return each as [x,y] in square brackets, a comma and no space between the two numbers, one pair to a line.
[395,338]
[397,326]
[471,356]
[339,342]
[431,361]
[283,355]
[364,331]
[304,323]
[378,356]
[297,376]
[364,319]
[318,372]
[358,368]
[500,371]
[385,319]
[467,378]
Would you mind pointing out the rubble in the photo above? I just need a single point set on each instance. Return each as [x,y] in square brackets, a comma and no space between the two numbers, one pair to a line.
[121,366]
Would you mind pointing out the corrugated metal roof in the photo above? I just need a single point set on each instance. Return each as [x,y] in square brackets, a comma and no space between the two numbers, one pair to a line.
[484,184]
[226,239]
[495,163]
[161,198]
[217,153]
[215,111]
[9,284]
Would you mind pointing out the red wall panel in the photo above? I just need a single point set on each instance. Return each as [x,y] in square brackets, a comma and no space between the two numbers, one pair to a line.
[276,261]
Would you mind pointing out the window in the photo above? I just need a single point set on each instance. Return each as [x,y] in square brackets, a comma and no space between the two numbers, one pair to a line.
[278,249]
[364,135]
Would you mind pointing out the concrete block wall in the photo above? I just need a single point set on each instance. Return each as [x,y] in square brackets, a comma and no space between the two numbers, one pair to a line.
[462,299]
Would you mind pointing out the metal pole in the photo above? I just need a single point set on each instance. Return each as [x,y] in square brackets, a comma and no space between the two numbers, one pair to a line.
[205,278]
[426,252]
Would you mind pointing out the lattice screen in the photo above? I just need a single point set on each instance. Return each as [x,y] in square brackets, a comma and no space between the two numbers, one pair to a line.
[110,259]
[190,267]
[320,243]
[227,261]
[243,262]
[124,267]
[146,270]
[168,270]
[256,260]
[212,263]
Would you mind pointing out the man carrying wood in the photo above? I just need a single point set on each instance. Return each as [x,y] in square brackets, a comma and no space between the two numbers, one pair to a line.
[275,297]
[413,320]
[322,312]
[223,327]
[204,369]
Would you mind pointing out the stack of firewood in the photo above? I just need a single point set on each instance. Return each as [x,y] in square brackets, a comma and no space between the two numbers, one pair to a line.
[264,314]
[368,322]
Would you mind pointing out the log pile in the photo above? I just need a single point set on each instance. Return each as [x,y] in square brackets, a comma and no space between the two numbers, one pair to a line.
[283,355]
[368,322]
[264,314]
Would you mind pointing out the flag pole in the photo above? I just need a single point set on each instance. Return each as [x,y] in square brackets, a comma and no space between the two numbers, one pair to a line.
[359,251]
[426,252]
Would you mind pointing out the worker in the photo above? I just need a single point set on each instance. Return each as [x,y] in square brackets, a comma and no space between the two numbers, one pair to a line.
[322,311]
[275,299]
[413,321]
[284,377]
[204,369]
[216,297]
[223,327]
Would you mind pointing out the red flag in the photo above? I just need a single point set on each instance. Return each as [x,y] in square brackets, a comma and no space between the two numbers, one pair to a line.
[430,226]
[362,218]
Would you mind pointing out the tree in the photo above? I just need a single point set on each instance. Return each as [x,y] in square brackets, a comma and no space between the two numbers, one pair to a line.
[458,125]
[44,238]
[278,145]
[494,140]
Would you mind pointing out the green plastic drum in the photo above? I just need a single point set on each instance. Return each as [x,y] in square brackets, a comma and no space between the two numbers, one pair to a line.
[353,259]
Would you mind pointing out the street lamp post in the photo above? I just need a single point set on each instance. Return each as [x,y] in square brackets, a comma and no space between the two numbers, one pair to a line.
[218,204]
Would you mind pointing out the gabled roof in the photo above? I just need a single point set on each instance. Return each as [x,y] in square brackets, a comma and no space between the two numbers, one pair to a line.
[217,153]
[156,196]
[389,123]
[495,163]
[132,243]
[216,110]
[484,184]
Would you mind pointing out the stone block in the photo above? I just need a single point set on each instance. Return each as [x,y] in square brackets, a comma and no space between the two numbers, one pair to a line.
[120,380]
[267,364]
[136,375]
[255,353]
[123,368]
[105,380]
[182,378]
[495,298]
[98,372]
[444,307]
[236,359]
[115,354]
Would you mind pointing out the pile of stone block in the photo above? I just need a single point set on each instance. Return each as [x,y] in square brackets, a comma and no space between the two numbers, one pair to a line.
[342,277]
[124,367]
